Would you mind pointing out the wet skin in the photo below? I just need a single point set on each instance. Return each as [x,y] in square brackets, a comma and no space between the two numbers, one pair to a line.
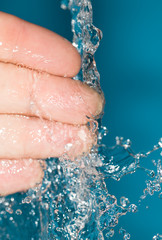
[43,111]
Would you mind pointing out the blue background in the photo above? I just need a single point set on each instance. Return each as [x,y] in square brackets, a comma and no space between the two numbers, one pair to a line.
[129,60]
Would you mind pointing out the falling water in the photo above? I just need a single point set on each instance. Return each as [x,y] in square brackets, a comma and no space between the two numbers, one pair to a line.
[73,201]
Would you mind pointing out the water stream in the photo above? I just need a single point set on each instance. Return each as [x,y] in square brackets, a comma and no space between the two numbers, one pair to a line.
[73,201]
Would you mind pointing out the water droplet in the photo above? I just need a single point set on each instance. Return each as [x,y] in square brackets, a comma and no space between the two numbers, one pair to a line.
[27,200]
[124,201]
[132,208]
[154,162]
[160,143]
[32,212]
[9,210]
[18,212]
[110,233]
[160,195]
[157,237]
[36,223]
[125,235]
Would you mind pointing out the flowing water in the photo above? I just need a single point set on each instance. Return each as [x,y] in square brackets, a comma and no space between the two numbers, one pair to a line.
[73,201]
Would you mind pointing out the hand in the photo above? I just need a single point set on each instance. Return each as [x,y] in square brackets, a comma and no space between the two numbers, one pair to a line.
[43,112]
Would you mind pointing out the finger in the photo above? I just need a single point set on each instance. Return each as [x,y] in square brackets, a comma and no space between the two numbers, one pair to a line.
[33,46]
[19,175]
[31,93]
[24,137]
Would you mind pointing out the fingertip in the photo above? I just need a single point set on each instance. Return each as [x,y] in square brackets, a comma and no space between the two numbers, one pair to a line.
[76,62]
[93,101]
[35,47]
[72,59]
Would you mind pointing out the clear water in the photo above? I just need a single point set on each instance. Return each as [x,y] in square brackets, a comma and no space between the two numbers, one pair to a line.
[73,201]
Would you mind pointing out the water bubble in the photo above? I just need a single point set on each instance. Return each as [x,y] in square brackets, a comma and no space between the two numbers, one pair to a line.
[18,212]
[157,237]
[110,233]
[102,132]
[32,212]
[113,221]
[149,172]
[6,203]
[124,201]
[125,235]
[160,143]
[119,140]
[127,144]
[27,200]
[49,170]
[9,210]
[133,208]
[154,162]
[45,205]
[36,223]
[160,195]
[64,4]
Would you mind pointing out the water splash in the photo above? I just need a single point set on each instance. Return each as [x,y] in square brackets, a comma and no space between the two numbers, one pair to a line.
[157,237]
[125,235]
[73,201]
[86,38]
[119,160]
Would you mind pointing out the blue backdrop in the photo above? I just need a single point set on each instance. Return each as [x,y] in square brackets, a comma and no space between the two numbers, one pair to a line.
[129,60]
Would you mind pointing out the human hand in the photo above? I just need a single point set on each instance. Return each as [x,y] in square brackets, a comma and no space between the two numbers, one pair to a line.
[43,112]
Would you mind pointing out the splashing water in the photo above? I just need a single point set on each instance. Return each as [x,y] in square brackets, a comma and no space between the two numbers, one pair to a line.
[73,201]
[125,235]
[157,237]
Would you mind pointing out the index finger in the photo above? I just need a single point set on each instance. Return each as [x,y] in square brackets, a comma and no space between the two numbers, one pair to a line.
[35,47]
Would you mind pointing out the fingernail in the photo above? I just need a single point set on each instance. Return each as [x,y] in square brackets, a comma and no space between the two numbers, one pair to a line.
[90,95]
